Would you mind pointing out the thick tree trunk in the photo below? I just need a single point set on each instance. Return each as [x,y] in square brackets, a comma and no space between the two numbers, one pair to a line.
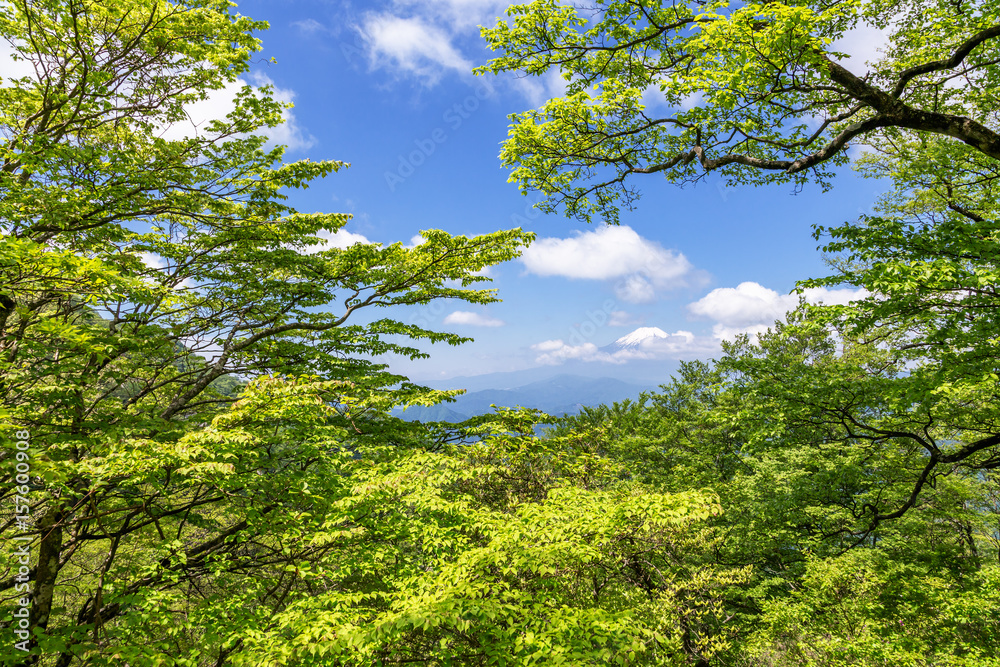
[45,573]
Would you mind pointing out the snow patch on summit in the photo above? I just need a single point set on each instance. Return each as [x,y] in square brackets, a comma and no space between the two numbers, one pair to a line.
[636,338]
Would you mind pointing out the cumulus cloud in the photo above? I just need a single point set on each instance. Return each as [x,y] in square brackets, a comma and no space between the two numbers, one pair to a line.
[152,260]
[722,332]
[472,319]
[555,352]
[642,267]
[745,304]
[289,133]
[752,308]
[221,102]
[412,46]
[665,346]
[606,252]
[341,239]
[10,68]
[218,104]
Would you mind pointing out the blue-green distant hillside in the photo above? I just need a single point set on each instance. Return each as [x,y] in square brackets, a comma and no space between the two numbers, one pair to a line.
[559,395]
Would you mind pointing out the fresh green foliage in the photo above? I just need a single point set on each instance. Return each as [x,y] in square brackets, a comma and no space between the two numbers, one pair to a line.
[510,550]
[867,608]
[143,281]
[847,561]
[854,448]
[216,475]
[757,92]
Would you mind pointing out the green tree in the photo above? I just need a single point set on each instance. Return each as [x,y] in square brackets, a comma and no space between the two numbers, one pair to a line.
[756,92]
[927,256]
[144,280]
[871,607]
[508,550]
[215,475]
[859,547]
[855,447]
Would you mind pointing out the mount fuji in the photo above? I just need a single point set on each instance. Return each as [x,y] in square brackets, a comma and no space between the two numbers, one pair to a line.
[637,338]
[645,342]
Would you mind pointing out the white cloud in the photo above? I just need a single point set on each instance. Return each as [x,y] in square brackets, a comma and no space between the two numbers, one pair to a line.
[833,297]
[752,308]
[722,332]
[10,68]
[635,289]
[159,264]
[413,46]
[472,319]
[487,272]
[425,39]
[459,14]
[340,239]
[691,101]
[607,253]
[652,97]
[289,133]
[540,89]
[152,260]
[863,44]
[555,352]
[748,303]
[671,346]
[218,104]
[221,102]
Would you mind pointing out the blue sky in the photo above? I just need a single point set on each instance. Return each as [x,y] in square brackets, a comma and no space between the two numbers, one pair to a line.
[388,87]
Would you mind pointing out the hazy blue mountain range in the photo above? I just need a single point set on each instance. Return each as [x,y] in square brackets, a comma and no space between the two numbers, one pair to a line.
[559,395]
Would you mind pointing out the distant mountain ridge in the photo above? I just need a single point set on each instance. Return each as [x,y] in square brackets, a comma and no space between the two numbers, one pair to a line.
[558,395]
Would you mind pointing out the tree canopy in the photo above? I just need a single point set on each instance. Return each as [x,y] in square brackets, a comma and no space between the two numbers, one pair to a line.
[757,92]
[202,432]
[760,93]
[848,432]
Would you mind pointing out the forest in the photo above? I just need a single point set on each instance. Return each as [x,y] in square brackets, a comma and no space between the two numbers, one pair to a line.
[201,462]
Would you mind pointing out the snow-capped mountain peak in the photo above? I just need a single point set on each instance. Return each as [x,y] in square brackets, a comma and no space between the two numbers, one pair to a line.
[641,334]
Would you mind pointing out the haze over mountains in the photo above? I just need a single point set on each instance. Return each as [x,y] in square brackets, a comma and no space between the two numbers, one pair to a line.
[557,395]
[563,388]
